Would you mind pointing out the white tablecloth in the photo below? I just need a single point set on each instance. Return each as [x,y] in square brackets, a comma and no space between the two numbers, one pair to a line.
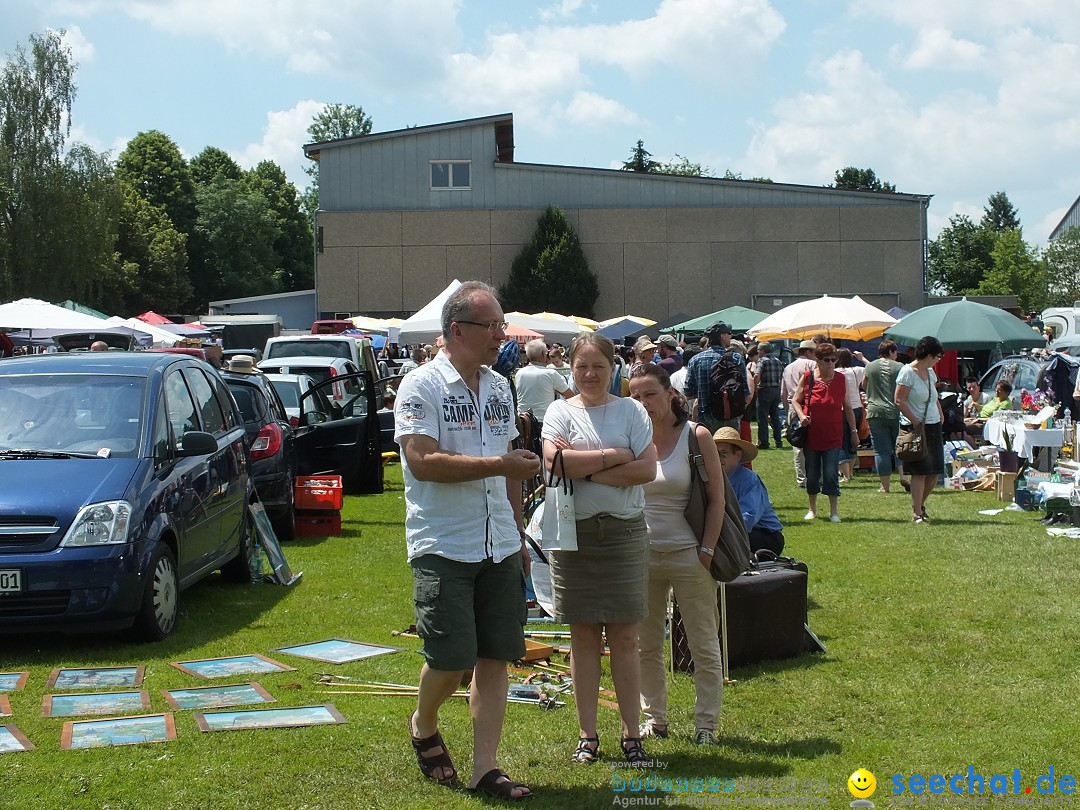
[1023,439]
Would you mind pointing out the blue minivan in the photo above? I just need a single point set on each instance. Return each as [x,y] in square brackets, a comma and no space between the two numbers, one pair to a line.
[123,480]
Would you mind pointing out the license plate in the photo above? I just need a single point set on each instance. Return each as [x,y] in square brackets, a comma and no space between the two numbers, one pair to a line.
[11,581]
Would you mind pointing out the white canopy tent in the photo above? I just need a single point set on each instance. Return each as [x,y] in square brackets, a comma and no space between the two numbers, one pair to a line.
[554,330]
[160,336]
[30,313]
[426,324]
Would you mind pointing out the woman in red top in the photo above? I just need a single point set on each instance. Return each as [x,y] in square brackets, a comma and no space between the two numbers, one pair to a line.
[821,403]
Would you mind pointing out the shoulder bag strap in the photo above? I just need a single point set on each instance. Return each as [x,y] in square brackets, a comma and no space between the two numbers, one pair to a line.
[697,461]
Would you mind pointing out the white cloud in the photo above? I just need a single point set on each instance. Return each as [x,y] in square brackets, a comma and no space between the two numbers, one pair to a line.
[285,131]
[366,38]
[938,49]
[538,73]
[82,49]
[592,110]
[561,10]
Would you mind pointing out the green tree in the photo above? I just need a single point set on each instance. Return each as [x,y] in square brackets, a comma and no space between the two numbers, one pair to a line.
[683,167]
[1062,259]
[551,272]
[334,121]
[152,164]
[213,164]
[730,175]
[151,257]
[640,160]
[960,257]
[238,228]
[293,245]
[1000,214]
[1016,270]
[857,179]
[36,94]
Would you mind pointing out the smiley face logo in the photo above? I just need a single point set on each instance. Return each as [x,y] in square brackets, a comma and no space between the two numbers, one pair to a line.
[862,784]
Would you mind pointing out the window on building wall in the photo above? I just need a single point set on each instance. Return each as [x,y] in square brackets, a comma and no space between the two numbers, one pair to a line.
[450,174]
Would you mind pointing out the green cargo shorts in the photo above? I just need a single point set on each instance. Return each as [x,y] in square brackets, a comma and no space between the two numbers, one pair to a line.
[466,611]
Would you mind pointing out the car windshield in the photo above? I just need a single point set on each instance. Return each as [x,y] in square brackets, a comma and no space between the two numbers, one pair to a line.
[76,413]
[310,348]
[289,392]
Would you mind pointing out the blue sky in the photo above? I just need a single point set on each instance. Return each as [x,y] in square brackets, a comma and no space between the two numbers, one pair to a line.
[954,98]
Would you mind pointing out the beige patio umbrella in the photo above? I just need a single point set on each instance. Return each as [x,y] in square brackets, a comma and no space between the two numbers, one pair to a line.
[846,318]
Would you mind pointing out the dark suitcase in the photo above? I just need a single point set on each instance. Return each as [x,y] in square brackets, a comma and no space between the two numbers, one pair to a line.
[766,616]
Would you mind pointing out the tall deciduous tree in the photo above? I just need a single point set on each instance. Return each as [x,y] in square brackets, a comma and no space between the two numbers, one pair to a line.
[857,179]
[238,228]
[152,259]
[293,245]
[960,257]
[213,164]
[551,272]
[1016,270]
[1000,214]
[1062,258]
[152,164]
[36,94]
[333,122]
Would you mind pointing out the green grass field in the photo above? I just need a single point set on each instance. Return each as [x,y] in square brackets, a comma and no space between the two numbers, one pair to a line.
[949,644]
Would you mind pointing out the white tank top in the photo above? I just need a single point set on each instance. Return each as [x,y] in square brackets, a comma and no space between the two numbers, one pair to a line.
[666,498]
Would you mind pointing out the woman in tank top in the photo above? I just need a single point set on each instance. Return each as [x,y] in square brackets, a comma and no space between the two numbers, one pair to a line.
[677,559]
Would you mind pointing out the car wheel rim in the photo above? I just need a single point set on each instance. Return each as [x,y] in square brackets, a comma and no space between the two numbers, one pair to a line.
[165,594]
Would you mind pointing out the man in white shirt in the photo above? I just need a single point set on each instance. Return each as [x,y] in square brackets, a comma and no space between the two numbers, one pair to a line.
[538,385]
[793,372]
[455,422]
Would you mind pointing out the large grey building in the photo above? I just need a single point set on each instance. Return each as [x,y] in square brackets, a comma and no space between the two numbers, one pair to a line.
[1070,220]
[403,213]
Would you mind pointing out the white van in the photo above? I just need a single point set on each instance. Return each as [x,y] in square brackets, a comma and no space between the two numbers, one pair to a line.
[1062,321]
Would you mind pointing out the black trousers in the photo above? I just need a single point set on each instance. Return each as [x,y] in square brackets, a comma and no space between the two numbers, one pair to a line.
[767,539]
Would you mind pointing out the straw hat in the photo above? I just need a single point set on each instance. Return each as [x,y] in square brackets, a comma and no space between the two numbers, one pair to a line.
[729,435]
[242,364]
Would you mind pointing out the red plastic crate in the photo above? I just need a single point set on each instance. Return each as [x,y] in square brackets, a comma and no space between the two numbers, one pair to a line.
[319,492]
[321,524]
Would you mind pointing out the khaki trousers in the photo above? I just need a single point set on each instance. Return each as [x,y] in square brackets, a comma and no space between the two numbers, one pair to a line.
[695,590]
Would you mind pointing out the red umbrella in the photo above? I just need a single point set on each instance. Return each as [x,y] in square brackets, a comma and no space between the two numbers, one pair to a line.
[521,334]
[152,318]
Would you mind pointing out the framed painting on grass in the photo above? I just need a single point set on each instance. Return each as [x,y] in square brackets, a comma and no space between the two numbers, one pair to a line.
[95,678]
[13,681]
[75,704]
[253,664]
[269,718]
[217,697]
[5,706]
[337,650]
[12,740]
[146,728]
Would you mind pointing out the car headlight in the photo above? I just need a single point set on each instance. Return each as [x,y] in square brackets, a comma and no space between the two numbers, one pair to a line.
[99,524]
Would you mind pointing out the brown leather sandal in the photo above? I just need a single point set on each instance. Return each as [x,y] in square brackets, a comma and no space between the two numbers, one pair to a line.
[497,784]
[429,762]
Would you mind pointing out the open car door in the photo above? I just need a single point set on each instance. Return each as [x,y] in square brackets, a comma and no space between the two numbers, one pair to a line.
[345,441]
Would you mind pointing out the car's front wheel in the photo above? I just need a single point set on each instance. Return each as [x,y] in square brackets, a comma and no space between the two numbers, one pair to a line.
[160,604]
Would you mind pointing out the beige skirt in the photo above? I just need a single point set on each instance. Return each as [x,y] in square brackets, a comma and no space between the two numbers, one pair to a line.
[606,579]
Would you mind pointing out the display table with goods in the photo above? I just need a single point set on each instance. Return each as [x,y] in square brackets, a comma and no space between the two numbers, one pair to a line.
[1022,434]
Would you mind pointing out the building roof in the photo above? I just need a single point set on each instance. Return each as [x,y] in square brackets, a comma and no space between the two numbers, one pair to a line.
[503,122]
[250,298]
[1071,218]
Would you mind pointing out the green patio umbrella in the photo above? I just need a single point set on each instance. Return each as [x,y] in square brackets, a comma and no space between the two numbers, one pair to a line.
[75,306]
[740,318]
[966,325]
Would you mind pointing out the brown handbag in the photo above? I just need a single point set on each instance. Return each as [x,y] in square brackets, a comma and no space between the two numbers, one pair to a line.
[732,555]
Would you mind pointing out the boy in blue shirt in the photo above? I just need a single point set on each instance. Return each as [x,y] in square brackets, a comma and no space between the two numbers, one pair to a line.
[762,524]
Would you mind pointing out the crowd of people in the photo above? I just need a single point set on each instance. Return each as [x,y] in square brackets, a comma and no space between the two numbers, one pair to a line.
[628,424]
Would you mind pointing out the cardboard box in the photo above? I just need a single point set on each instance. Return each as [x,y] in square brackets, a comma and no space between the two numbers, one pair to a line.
[1006,485]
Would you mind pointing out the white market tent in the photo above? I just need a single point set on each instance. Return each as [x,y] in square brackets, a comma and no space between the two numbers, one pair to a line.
[554,330]
[160,336]
[426,324]
[30,313]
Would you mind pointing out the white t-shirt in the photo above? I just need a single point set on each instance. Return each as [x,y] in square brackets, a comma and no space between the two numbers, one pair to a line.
[537,387]
[918,395]
[467,521]
[678,380]
[620,423]
[854,376]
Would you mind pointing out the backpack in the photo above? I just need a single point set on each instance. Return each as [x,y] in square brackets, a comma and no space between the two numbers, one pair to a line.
[727,388]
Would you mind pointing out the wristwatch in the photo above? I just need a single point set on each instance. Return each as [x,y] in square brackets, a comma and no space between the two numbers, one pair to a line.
[709,551]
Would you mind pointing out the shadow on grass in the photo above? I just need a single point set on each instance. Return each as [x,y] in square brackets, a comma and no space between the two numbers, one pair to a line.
[210,609]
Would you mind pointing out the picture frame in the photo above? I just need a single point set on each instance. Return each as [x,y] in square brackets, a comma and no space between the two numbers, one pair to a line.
[12,740]
[337,650]
[95,677]
[79,704]
[293,717]
[232,665]
[217,697]
[13,681]
[282,573]
[5,706]
[110,731]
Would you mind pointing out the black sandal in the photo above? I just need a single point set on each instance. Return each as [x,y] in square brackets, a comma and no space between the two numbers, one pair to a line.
[428,763]
[588,750]
[491,785]
[635,753]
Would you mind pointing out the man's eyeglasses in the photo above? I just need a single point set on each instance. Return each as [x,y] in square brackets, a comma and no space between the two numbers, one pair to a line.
[828,359]
[491,326]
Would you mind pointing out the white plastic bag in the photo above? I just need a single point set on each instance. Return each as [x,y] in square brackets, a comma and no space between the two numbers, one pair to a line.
[559,528]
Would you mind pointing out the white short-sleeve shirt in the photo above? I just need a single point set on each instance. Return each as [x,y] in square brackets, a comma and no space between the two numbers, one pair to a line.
[623,422]
[467,521]
[537,387]
[922,395]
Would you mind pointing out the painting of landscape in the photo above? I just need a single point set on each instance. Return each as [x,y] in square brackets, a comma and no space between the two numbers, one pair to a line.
[217,697]
[147,728]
